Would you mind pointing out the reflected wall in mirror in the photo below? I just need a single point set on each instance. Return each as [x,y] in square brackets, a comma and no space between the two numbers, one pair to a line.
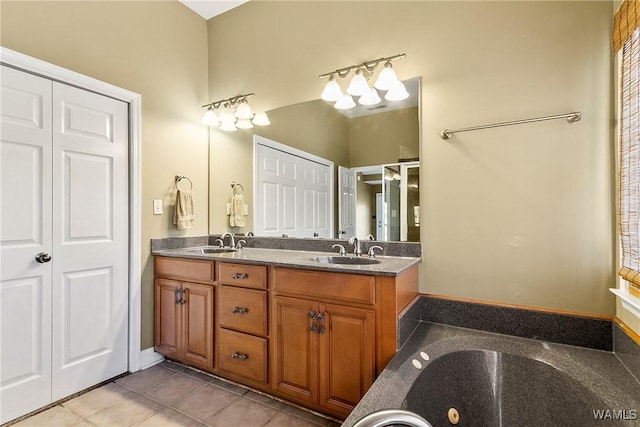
[382,136]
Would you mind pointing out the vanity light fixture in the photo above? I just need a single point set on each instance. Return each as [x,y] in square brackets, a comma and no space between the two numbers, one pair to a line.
[234,113]
[387,81]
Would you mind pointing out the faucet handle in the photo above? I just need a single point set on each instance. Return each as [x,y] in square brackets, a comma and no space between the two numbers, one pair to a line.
[239,243]
[343,251]
[372,252]
[220,243]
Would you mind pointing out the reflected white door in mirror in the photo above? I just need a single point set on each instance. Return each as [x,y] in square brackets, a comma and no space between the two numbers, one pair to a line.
[294,191]
[387,201]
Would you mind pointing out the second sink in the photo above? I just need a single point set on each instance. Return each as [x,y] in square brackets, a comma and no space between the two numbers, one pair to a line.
[214,250]
[345,260]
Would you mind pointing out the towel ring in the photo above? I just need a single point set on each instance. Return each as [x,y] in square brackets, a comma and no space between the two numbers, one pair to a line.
[235,191]
[180,178]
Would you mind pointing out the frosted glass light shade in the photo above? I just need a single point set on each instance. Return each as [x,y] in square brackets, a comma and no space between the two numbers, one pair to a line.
[243,111]
[228,126]
[210,118]
[387,78]
[332,91]
[244,124]
[371,98]
[345,102]
[397,93]
[261,119]
[227,115]
[358,85]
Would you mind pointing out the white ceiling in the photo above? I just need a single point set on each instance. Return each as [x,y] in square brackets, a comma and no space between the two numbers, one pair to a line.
[210,8]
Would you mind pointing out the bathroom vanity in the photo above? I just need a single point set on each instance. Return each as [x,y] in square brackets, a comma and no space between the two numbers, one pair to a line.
[313,332]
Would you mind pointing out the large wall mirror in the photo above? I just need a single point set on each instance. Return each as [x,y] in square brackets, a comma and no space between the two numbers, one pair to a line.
[374,149]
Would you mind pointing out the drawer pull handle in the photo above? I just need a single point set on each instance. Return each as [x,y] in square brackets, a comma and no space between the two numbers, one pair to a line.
[239,275]
[240,356]
[239,310]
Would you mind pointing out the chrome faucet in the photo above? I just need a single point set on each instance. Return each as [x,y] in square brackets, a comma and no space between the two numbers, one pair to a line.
[232,240]
[372,251]
[343,252]
[353,240]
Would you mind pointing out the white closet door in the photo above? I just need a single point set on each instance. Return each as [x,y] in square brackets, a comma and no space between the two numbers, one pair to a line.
[90,234]
[278,195]
[25,231]
[293,194]
[315,215]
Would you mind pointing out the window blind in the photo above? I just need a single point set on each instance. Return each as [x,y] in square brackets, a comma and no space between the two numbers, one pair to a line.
[625,23]
[629,162]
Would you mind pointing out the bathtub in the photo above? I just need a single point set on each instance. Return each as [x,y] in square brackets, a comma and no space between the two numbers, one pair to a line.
[456,376]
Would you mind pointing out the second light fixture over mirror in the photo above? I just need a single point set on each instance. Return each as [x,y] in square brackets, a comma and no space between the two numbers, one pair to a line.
[233,113]
[387,81]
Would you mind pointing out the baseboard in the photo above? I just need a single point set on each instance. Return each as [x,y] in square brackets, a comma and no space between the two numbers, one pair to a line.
[149,357]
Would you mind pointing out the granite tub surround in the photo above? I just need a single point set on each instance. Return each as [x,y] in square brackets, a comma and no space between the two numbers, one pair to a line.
[627,348]
[571,381]
[291,253]
[569,329]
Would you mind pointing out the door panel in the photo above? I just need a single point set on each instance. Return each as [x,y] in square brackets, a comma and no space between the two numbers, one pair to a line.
[295,194]
[198,324]
[296,349]
[25,290]
[90,234]
[167,315]
[346,203]
[347,356]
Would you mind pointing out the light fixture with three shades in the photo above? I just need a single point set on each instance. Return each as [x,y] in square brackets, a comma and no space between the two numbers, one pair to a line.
[387,81]
[233,113]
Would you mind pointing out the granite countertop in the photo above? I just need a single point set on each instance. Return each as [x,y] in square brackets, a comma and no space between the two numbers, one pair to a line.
[388,266]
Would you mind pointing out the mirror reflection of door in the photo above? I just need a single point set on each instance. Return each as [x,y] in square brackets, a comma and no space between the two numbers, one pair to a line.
[388,201]
[346,202]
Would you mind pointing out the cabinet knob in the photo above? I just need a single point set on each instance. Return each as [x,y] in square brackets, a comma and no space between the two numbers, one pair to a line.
[239,276]
[239,310]
[239,356]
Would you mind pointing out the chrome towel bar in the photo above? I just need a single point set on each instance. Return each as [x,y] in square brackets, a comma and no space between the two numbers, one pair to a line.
[571,118]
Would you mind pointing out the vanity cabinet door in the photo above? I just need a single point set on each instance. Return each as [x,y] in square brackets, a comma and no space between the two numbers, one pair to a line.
[167,317]
[295,358]
[184,322]
[347,356]
[197,325]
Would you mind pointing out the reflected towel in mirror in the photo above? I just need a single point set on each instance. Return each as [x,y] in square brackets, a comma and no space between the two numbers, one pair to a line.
[236,218]
[183,216]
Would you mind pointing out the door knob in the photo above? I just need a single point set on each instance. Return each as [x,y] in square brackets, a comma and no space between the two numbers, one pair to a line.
[43,257]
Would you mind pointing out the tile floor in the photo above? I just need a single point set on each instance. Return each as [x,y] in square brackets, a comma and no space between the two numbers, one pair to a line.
[170,394]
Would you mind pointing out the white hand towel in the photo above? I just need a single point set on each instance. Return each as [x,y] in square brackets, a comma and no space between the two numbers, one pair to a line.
[237,219]
[183,216]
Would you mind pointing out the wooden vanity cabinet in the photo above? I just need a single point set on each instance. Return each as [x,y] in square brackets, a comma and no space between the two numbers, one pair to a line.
[242,339]
[324,339]
[184,310]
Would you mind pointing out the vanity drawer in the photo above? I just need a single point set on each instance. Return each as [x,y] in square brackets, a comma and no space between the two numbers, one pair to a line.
[243,309]
[243,355]
[315,284]
[249,276]
[193,270]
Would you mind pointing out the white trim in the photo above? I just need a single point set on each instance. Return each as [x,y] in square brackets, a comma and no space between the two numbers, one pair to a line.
[149,358]
[35,66]
[629,302]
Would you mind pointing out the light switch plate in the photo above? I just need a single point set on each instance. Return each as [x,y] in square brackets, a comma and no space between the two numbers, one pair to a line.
[157,207]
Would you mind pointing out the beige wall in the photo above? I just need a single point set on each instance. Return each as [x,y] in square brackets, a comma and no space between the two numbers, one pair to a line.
[384,138]
[519,214]
[157,49]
